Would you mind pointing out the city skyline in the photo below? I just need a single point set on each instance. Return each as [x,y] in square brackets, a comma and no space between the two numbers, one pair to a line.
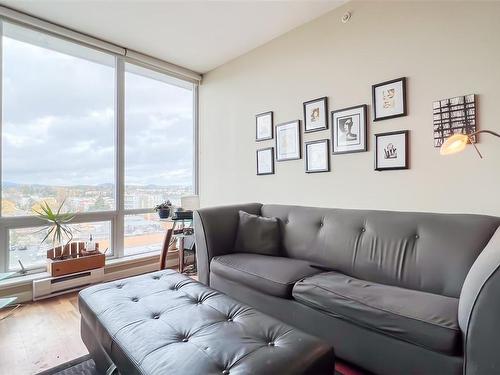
[22,199]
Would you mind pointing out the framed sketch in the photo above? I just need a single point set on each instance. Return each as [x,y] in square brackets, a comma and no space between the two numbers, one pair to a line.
[391,150]
[316,115]
[317,156]
[288,141]
[389,99]
[264,126]
[349,129]
[265,161]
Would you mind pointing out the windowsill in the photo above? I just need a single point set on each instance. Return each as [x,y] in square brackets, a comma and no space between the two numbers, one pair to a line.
[132,259]
[110,264]
[22,280]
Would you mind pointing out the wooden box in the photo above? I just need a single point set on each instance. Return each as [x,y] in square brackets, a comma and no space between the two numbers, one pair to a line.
[73,260]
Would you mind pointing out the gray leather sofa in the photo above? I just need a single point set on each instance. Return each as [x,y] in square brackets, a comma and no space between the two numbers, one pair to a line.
[394,292]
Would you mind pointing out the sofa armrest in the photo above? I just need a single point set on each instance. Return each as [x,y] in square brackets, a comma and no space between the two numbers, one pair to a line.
[479,311]
[215,232]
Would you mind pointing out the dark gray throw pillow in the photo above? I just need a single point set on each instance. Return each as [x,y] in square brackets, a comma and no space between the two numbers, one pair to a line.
[258,235]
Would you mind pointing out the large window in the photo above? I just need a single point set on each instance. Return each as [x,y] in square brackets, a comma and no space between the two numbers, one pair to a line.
[109,138]
[158,152]
[58,124]
[158,138]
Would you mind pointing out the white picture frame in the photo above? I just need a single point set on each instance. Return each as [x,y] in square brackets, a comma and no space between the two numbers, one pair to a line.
[288,145]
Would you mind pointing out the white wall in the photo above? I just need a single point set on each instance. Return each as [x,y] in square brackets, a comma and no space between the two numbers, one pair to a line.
[445,49]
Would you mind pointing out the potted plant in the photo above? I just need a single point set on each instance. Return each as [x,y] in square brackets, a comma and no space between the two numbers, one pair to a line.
[58,230]
[164,209]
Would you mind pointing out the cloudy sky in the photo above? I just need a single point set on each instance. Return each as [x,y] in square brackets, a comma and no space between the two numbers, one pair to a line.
[58,116]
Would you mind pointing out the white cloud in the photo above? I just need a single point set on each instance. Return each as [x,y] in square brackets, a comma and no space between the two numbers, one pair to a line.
[59,123]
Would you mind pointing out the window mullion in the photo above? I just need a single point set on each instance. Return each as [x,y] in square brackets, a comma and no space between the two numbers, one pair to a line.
[196,144]
[118,222]
[4,244]
[1,116]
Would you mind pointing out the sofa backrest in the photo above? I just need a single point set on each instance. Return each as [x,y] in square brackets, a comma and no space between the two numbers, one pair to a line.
[422,251]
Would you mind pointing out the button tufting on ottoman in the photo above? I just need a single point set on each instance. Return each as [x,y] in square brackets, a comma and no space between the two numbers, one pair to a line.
[167,323]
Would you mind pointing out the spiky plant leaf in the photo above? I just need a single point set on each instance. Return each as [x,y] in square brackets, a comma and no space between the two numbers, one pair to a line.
[58,228]
[48,233]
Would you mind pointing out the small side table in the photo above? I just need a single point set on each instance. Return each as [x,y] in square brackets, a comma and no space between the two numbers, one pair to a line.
[177,224]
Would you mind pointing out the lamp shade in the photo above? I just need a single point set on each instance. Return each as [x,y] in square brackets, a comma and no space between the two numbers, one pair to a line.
[190,202]
[454,144]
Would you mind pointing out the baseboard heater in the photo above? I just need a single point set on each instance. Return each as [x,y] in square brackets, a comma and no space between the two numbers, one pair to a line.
[54,286]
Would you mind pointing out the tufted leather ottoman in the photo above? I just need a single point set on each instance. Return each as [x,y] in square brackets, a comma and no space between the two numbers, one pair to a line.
[167,323]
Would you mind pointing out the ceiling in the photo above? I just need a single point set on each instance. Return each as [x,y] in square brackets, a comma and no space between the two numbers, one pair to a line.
[198,35]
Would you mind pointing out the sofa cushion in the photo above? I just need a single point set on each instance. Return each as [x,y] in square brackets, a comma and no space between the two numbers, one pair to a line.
[423,251]
[271,275]
[258,235]
[424,319]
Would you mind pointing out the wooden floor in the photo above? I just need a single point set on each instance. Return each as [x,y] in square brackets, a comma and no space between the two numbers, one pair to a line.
[40,335]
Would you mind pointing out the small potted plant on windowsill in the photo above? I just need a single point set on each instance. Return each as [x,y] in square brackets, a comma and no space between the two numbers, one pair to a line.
[164,209]
[66,257]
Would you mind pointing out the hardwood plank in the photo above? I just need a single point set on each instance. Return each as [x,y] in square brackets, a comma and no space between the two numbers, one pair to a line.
[41,335]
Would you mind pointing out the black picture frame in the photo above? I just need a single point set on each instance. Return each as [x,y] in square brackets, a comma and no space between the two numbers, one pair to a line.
[327,156]
[268,113]
[406,134]
[271,150]
[376,116]
[364,112]
[323,99]
[299,140]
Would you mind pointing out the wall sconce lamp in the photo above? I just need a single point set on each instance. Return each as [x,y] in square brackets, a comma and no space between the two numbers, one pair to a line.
[457,142]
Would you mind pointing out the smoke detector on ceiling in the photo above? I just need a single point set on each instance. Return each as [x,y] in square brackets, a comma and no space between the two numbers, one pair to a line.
[346,17]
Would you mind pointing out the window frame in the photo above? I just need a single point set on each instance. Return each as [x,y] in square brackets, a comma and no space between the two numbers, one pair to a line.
[116,217]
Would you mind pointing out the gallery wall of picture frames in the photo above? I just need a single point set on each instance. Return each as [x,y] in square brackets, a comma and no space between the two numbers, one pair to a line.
[349,130]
